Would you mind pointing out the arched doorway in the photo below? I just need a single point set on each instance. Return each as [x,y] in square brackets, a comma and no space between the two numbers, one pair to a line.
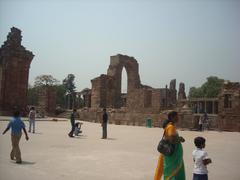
[124,86]
[130,65]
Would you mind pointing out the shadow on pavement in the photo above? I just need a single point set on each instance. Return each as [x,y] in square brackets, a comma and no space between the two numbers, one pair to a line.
[26,163]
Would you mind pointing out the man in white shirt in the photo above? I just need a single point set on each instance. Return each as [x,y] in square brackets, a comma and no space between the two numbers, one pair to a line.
[201,160]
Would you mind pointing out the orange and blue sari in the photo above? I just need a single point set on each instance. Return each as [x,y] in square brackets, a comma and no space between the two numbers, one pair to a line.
[171,167]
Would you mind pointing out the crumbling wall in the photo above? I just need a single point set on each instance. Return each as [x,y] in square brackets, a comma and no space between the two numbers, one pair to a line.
[106,89]
[15,62]
[229,107]
[47,99]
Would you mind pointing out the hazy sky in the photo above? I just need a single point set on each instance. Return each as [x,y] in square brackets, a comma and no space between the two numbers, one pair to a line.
[186,40]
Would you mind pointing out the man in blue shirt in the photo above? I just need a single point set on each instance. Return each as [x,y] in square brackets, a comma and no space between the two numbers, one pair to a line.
[16,125]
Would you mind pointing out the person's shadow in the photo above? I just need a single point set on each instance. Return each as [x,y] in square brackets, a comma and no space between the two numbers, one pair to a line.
[26,163]
[113,139]
[80,137]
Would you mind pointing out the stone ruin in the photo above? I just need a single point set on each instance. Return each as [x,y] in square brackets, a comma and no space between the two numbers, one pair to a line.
[106,89]
[47,100]
[140,101]
[15,62]
[229,107]
[223,111]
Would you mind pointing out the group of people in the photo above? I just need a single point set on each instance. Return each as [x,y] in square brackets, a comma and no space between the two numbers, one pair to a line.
[171,167]
[76,127]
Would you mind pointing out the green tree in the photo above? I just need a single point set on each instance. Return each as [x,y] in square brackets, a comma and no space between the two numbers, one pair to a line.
[61,91]
[69,84]
[209,89]
[41,81]
[70,87]
[45,80]
[32,95]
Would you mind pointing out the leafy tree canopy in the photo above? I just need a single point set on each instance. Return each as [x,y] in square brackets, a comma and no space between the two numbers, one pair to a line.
[45,80]
[69,84]
[209,89]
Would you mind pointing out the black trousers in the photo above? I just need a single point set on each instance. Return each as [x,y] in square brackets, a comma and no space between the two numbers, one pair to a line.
[104,128]
[72,130]
[200,177]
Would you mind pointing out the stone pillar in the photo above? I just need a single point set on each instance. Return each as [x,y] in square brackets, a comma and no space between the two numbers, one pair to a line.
[15,62]
[205,104]
[47,99]
[213,107]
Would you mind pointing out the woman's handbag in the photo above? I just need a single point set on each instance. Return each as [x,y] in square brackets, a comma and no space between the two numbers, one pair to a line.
[165,147]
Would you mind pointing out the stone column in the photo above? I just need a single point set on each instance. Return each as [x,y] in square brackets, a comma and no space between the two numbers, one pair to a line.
[205,104]
[213,107]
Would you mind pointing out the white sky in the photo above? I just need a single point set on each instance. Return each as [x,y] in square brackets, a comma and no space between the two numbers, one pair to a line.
[187,40]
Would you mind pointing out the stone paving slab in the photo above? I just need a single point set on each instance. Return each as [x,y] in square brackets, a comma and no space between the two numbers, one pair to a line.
[129,153]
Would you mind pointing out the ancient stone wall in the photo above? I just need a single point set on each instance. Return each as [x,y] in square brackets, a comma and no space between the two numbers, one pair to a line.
[86,93]
[181,92]
[119,117]
[117,63]
[172,93]
[102,92]
[106,89]
[47,99]
[229,107]
[15,62]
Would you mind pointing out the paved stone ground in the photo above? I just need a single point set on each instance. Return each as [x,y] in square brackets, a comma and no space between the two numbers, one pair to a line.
[129,153]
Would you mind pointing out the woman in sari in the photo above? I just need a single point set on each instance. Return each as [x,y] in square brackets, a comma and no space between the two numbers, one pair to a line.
[171,167]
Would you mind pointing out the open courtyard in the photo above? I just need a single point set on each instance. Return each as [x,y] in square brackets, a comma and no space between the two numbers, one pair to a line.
[129,153]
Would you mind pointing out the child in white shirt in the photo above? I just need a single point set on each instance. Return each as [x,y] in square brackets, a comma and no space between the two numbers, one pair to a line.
[201,160]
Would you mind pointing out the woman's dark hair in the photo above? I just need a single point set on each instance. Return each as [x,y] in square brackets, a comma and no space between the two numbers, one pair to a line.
[199,142]
[32,108]
[171,116]
[16,114]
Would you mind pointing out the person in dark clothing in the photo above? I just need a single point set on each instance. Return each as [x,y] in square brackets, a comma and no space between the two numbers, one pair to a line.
[104,124]
[72,119]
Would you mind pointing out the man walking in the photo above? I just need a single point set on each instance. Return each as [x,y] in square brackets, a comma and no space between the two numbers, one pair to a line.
[17,125]
[104,124]
[72,120]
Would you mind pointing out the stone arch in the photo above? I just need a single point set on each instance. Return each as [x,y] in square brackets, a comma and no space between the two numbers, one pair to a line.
[115,69]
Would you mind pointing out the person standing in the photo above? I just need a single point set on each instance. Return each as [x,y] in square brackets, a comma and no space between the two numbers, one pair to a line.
[172,166]
[201,160]
[72,120]
[205,121]
[104,124]
[200,123]
[16,125]
[32,118]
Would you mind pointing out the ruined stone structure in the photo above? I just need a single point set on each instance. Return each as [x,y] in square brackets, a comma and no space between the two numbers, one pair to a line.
[181,92]
[47,99]
[131,108]
[223,111]
[106,89]
[141,101]
[229,107]
[15,62]
[86,94]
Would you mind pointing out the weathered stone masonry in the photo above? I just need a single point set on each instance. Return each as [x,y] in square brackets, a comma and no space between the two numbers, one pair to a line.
[15,62]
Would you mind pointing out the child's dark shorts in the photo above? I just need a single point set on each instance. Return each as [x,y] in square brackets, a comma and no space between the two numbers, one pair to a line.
[200,177]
